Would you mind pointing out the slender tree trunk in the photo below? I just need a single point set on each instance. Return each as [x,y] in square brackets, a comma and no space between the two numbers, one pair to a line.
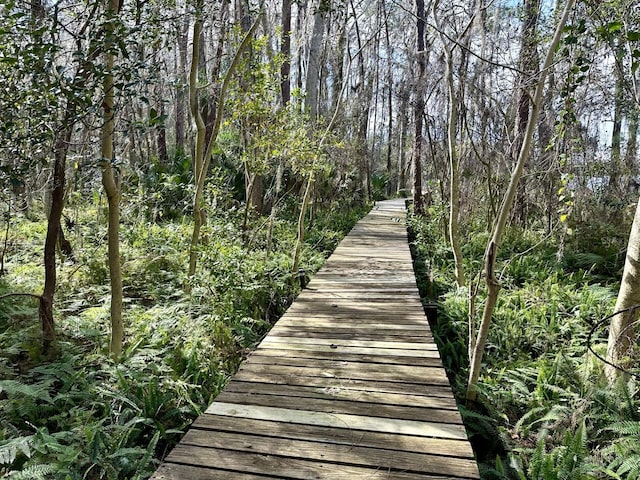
[631,155]
[493,286]
[203,153]
[529,65]
[616,134]
[53,227]
[418,112]
[455,97]
[402,141]
[274,208]
[198,157]
[301,224]
[390,172]
[180,89]
[313,63]
[622,328]
[111,186]
[285,50]
[454,172]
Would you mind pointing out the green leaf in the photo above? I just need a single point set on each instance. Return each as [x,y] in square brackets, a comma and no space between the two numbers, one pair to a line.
[614,27]
[633,36]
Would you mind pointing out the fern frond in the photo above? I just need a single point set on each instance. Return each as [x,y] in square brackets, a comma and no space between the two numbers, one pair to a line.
[9,450]
[629,467]
[14,388]
[32,472]
[625,427]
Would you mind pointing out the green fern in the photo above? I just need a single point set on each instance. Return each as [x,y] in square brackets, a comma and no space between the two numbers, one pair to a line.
[625,451]
[9,450]
[17,389]
[568,461]
[32,472]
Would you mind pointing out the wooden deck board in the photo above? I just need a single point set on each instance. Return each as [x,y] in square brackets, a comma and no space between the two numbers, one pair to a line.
[347,385]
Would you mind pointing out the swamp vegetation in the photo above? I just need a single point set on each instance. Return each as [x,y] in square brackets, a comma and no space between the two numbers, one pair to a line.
[171,173]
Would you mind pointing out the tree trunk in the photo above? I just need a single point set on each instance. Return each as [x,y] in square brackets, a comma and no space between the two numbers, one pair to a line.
[402,150]
[491,252]
[180,89]
[301,223]
[53,227]
[630,156]
[616,134]
[418,206]
[285,50]
[313,63]
[454,172]
[529,67]
[111,186]
[622,328]
[198,157]
[202,155]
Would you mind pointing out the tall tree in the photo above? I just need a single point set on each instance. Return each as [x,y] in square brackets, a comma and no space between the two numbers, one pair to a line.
[285,50]
[314,60]
[491,252]
[204,150]
[110,179]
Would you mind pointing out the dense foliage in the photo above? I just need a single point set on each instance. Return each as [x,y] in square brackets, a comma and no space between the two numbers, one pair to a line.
[545,410]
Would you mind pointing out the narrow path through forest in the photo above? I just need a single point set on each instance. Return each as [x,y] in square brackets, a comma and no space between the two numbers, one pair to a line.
[348,384]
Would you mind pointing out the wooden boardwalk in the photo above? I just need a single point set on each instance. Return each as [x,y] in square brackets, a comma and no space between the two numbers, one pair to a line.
[347,385]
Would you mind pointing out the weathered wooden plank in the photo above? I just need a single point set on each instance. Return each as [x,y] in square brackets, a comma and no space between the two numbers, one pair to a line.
[336,343]
[355,318]
[372,371]
[329,393]
[336,435]
[355,422]
[280,467]
[407,372]
[339,325]
[432,361]
[383,459]
[334,382]
[332,405]
[398,352]
[393,336]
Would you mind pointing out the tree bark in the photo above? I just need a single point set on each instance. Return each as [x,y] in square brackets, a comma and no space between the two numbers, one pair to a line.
[198,157]
[202,155]
[402,150]
[53,228]
[622,328]
[180,89]
[616,133]
[312,84]
[418,111]
[529,65]
[285,50]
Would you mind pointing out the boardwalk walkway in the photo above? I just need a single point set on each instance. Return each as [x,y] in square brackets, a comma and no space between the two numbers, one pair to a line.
[347,385]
